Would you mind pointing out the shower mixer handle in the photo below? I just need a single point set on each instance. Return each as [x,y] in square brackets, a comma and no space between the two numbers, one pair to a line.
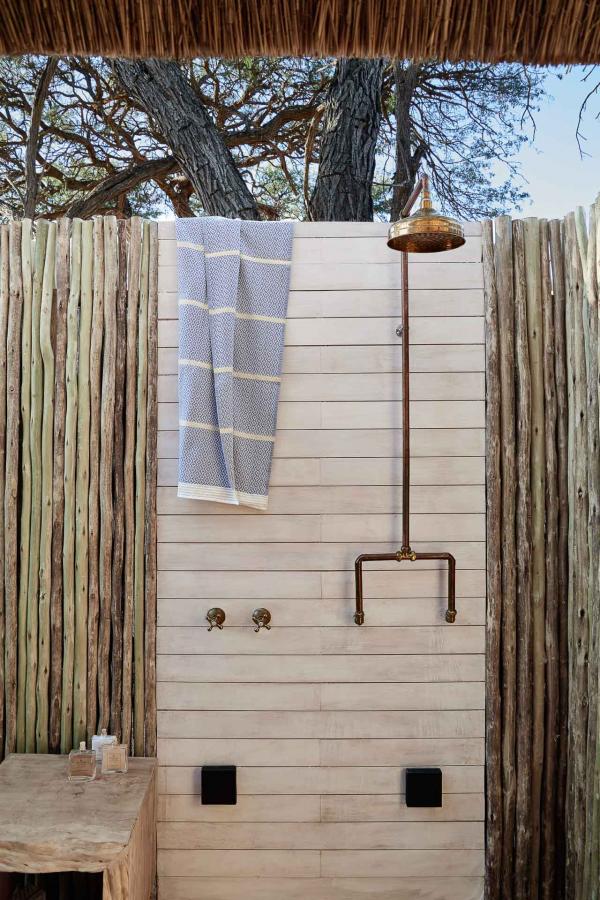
[215,617]
[261,618]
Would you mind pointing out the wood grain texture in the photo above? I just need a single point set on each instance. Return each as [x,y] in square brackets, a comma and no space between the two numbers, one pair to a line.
[35,435]
[550,843]
[116,601]
[67,561]
[80,615]
[13,368]
[94,483]
[63,273]
[548,840]
[344,888]
[107,431]
[536,337]
[151,525]
[25,520]
[562,585]
[47,352]
[524,636]
[139,594]
[494,574]
[580,552]
[4,308]
[133,289]
[115,820]
[63,349]
[321,717]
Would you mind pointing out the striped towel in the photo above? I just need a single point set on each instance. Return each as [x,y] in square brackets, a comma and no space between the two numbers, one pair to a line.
[233,293]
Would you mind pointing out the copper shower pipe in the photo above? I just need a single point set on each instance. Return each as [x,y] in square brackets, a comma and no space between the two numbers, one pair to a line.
[406,553]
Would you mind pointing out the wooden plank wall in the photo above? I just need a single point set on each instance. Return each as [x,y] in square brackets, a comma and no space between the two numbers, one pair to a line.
[322,717]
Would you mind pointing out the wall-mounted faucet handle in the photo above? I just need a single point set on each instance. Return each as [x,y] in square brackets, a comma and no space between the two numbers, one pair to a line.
[215,617]
[261,618]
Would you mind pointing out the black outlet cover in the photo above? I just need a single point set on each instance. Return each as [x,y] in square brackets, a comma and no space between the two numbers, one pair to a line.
[423,787]
[218,786]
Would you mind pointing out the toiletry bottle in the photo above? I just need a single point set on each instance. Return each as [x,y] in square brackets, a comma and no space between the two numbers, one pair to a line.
[82,764]
[101,740]
[114,759]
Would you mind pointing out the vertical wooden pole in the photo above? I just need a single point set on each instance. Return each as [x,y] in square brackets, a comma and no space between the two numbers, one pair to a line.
[47,351]
[594,836]
[587,259]
[551,725]
[94,495]
[77,644]
[579,638]
[25,517]
[504,284]
[133,288]
[107,429]
[151,480]
[11,566]
[119,487]
[494,574]
[595,787]
[562,573]
[58,496]
[523,831]
[35,434]
[4,305]
[70,451]
[535,338]
[107,462]
[140,498]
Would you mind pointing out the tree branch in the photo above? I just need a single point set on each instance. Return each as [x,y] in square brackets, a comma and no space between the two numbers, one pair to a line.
[117,185]
[33,137]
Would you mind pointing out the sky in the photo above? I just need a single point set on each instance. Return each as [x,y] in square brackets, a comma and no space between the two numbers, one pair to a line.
[558,178]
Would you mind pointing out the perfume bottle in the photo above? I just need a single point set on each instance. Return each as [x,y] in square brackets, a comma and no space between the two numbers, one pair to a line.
[82,764]
[101,740]
[115,759]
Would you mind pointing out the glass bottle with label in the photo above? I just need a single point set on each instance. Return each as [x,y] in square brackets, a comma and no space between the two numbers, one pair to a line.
[82,764]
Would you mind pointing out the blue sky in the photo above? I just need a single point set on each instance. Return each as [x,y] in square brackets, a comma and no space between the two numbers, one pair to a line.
[558,179]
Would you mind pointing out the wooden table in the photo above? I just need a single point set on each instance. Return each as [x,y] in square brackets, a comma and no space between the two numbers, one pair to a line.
[108,825]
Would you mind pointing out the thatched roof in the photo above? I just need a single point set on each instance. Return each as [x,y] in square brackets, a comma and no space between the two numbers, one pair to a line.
[534,31]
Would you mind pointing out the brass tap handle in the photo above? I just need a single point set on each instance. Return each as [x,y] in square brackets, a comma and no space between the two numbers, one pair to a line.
[261,618]
[215,617]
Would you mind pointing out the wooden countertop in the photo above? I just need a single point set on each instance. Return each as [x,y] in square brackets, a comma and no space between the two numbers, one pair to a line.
[49,824]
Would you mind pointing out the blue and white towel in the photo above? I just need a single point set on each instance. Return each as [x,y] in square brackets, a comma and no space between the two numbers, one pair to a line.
[233,293]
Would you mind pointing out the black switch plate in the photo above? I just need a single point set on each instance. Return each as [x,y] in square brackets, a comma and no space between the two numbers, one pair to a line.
[218,786]
[423,787]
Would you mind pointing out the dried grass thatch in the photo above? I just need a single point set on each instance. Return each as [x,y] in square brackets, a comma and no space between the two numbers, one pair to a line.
[552,31]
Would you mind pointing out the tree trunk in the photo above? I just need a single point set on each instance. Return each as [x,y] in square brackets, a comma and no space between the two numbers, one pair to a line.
[407,159]
[343,191]
[161,89]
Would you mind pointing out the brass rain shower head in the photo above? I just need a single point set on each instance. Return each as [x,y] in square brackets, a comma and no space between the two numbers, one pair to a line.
[426,231]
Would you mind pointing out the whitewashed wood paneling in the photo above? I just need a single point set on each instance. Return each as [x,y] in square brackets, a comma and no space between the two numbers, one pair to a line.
[322,718]
[407,888]
[388,612]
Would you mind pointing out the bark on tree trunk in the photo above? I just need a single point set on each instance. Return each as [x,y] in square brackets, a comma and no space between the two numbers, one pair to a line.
[343,191]
[163,92]
[408,159]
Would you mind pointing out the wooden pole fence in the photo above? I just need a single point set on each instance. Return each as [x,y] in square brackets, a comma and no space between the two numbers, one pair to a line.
[543,568]
[78,373]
